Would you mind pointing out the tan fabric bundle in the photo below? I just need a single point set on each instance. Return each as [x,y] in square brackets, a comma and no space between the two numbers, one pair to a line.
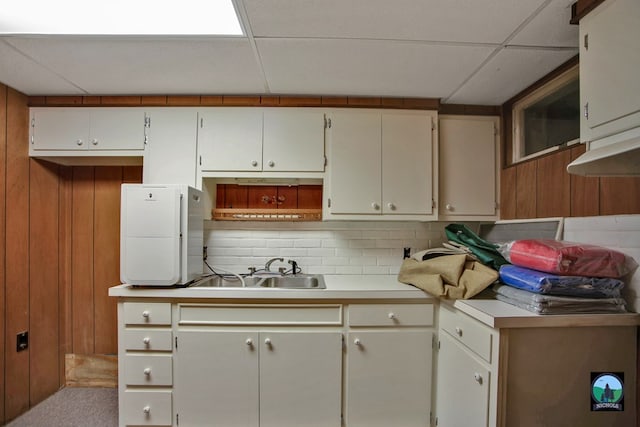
[448,276]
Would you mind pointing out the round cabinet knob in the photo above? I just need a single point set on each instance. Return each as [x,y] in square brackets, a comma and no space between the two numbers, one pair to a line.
[94,141]
[249,342]
[145,314]
[267,341]
[357,342]
[271,163]
[78,142]
[147,371]
[254,163]
[478,378]
[375,206]
[459,331]
[448,207]
[146,340]
[146,410]
[391,206]
[392,316]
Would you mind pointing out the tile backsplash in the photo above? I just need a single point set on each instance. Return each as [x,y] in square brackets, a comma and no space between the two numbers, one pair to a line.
[328,247]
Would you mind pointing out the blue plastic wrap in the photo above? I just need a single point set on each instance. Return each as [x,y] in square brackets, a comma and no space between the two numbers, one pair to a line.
[547,283]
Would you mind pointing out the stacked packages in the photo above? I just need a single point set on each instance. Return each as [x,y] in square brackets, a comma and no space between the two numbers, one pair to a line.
[559,277]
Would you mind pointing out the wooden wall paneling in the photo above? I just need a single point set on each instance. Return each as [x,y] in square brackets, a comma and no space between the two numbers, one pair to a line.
[106,260]
[287,197]
[508,193]
[3,164]
[585,191]
[310,197]
[221,191]
[17,254]
[236,196]
[82,260]
[619,195]
[553,185]
[64,269]
[526,190]
[44,374]
[132,175]
[262,197]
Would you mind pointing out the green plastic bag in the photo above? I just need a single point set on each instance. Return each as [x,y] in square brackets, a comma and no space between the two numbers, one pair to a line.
[486,252]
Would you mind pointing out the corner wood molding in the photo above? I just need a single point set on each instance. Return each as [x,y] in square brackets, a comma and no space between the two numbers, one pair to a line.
[91,370]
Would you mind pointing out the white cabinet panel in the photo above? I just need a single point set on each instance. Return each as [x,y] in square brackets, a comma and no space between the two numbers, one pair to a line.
[300,379]
[463,387]
[609,63]
[468,167]
[230,139]
[116,129]
[170,155]
[388,379]
[293,140]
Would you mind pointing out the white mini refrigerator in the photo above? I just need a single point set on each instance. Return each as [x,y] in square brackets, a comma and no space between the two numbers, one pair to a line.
[161,242]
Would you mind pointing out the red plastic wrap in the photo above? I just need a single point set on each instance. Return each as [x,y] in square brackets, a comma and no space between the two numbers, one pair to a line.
[568,258]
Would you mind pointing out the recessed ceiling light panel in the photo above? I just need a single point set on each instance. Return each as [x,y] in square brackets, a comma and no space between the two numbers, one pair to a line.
[120,17]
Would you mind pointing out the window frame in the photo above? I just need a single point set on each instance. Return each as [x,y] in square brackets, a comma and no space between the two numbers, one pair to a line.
[521,105]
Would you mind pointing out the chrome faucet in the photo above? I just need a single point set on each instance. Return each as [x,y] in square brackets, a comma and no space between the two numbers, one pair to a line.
[267,266]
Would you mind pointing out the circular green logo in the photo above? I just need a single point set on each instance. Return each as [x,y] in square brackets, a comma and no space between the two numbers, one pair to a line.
[607,388]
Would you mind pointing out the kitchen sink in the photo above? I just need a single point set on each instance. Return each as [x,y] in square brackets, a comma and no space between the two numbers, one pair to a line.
[297,281]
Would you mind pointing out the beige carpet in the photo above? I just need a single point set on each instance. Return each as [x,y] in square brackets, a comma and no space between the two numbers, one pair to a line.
[73,407]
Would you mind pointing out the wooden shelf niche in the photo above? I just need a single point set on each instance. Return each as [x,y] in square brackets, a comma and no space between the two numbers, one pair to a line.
[236,202]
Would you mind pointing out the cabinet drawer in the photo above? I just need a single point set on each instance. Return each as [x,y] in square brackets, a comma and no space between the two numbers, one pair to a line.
[391,315]
[210,314]
[147,313]
[147,339]
[147,408]
[468,331]
[152,369]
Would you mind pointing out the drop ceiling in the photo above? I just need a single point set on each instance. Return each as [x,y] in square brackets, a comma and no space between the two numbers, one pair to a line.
[462,51]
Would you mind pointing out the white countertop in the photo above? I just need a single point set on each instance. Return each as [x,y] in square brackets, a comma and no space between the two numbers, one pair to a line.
[493,313]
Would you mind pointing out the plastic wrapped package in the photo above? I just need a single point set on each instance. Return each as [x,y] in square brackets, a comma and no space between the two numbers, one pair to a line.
[568,258]
[551,304]
[551,284]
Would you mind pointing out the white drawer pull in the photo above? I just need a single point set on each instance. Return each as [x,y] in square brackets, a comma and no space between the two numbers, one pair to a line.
[459,331]
[392,316]
[249,342]
[357,342]
[146,410]
[146,340]
[147,371]
[478,378]
[267,341]
[145,314]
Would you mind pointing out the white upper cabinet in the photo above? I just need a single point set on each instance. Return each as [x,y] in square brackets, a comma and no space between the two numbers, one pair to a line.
[469,159]
[381,165]
[609,64]
[170,154]
[87,129]
[261,140]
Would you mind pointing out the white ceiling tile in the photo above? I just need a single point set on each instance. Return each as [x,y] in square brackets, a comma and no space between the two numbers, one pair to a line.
[550,27]
[145,66]
[488,21]
[29,77]
[367,67]
[510,71]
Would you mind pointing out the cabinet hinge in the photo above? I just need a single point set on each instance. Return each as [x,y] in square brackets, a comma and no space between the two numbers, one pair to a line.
[329,203]
[200,160]
[147,121]
[586,111]
[325,161]
[176,344]
[327,123]
[438,344]
[436,421]
[586,41]
[433,204]
[177,419]
[33,122]
[201,122]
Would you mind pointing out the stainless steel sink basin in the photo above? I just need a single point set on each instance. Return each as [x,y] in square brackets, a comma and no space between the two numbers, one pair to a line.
[298,281]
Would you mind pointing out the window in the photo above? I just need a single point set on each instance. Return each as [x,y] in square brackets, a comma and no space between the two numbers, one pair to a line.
[547,118]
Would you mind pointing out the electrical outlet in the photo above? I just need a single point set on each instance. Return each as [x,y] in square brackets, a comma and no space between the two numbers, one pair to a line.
[22,341]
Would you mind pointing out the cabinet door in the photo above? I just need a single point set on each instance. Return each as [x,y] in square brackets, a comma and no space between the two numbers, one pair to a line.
[355,162]
[463,387]
[609,63]
[116,129]
[216,378]
[293,140]
[60,128]
[170,155]
[407,164]
[388,379]
[230,139]
[300,379]
[468,147]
